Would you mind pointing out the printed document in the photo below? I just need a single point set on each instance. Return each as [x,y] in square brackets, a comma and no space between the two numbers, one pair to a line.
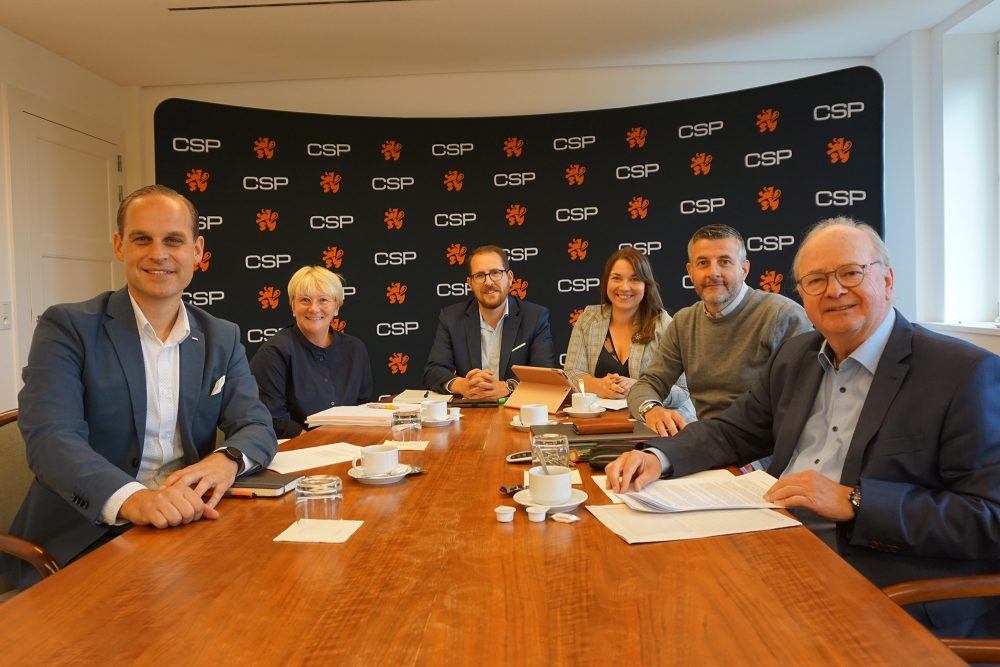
[686,495]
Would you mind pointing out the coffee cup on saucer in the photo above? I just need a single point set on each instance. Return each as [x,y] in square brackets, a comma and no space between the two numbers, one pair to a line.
[378,459]
[434,410]
[584,402]
[533,414]
[552,487]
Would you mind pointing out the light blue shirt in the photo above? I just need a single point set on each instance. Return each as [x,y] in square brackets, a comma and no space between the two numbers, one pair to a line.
[828,432]
[490,339]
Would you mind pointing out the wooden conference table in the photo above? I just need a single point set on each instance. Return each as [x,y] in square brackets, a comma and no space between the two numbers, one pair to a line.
[432,578]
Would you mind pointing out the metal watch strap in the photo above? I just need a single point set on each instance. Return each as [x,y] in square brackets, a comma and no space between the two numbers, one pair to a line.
[647,406]
[855,499]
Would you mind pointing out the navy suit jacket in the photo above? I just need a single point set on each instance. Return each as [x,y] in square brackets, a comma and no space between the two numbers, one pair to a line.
[926,453]
[83,416]
[457,348]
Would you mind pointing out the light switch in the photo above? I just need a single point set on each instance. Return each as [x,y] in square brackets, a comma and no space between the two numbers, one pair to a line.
[4,315]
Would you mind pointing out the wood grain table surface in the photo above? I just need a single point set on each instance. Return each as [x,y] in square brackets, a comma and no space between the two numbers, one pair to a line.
[431,578]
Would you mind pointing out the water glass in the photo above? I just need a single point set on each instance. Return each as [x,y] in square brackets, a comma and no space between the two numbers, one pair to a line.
[405,425]
[550,449]
[319,497]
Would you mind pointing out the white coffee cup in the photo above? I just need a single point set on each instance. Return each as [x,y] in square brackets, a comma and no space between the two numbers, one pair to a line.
[584,402]
[434,410]
[534,413]
[552,488]
[378,459]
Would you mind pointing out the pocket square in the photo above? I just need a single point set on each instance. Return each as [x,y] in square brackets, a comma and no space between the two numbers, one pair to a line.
[218,385]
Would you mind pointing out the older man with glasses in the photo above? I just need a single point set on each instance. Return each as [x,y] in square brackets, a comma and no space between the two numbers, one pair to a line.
[885,436]
[480,339]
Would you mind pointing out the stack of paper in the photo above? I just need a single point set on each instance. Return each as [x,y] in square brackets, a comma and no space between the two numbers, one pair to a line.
[360,415]
[688,495]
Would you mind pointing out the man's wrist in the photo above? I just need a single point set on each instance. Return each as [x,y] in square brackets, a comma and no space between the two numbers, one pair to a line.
[647,406]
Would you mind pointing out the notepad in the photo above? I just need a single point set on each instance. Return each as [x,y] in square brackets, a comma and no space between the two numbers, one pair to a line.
[263,485]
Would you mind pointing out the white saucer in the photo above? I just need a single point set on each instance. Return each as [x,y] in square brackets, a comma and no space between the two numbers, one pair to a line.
[586,414]
[576,496]
[518,426]
[397,473]
[427,421]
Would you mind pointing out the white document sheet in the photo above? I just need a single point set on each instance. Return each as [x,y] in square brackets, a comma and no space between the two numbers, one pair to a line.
[316,530]
[602,481]
[613,403]
[419,395]
[314,457]
[687,494]
[636,527]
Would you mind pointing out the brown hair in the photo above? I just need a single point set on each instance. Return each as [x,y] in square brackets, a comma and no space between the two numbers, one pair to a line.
[651,305]
[485,249]
[162,191]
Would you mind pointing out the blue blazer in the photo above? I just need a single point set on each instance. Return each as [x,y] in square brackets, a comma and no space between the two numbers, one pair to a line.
[457,349]
[83,416]
[926,453]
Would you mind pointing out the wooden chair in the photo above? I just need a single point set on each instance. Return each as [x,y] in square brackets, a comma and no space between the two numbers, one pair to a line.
[15,477]
[951,588]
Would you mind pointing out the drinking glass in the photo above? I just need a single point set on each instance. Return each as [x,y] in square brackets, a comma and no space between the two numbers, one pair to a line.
[319,497]
[550,449]
[405,425]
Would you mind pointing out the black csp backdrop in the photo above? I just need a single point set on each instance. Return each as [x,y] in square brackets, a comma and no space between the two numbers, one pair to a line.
[594,215]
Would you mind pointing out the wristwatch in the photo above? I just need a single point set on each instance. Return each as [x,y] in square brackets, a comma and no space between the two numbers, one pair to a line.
[235,455]
[511,386]
[855,499]
[647,406]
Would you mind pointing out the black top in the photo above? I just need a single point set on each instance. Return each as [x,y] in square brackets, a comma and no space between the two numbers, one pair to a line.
[297,378]
[607,361]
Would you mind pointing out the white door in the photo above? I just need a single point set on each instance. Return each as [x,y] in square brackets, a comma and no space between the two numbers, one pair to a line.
[65,193]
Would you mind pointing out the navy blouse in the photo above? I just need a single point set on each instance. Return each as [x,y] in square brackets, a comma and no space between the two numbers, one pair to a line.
[297,379]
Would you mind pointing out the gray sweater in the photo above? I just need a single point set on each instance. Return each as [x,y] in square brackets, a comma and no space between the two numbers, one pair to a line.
[721,356]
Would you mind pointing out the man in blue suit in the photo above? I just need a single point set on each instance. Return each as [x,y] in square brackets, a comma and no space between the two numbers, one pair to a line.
[479,340]
[123,394]
[885,436]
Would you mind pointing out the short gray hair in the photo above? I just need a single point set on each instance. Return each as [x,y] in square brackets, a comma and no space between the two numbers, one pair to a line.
[850,223]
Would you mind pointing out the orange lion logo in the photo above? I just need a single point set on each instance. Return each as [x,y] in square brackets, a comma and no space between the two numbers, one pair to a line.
[197,179]
[206,259]
[394,218]
[515,214]
[577,249]
[574,316]
[839,150]
[456,253]
[396,292]
[701,164]
[636,137]
[398,362]
[330,181]
[264,148]
[575,174]
[338,324]
[769,198]
[267,219]
[767,120]
[391,150]
[513,146]
[333,257]
[638,207]
[453,180]
[268,297]
[771,281]
[519,288]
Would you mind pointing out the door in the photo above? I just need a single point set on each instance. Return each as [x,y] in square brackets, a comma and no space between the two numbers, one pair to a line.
[65,193]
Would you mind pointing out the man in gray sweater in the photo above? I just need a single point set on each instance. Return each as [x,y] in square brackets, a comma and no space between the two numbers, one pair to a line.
[720,342]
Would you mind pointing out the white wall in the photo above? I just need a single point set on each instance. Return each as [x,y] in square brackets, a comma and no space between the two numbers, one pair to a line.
[65,87]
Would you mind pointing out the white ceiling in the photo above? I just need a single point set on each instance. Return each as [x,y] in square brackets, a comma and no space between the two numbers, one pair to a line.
[141,42]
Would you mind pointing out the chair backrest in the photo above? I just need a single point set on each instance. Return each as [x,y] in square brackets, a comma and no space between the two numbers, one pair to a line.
[15,477]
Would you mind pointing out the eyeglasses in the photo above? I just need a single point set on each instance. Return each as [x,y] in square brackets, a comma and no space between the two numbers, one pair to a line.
[495,275]
[848,275]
